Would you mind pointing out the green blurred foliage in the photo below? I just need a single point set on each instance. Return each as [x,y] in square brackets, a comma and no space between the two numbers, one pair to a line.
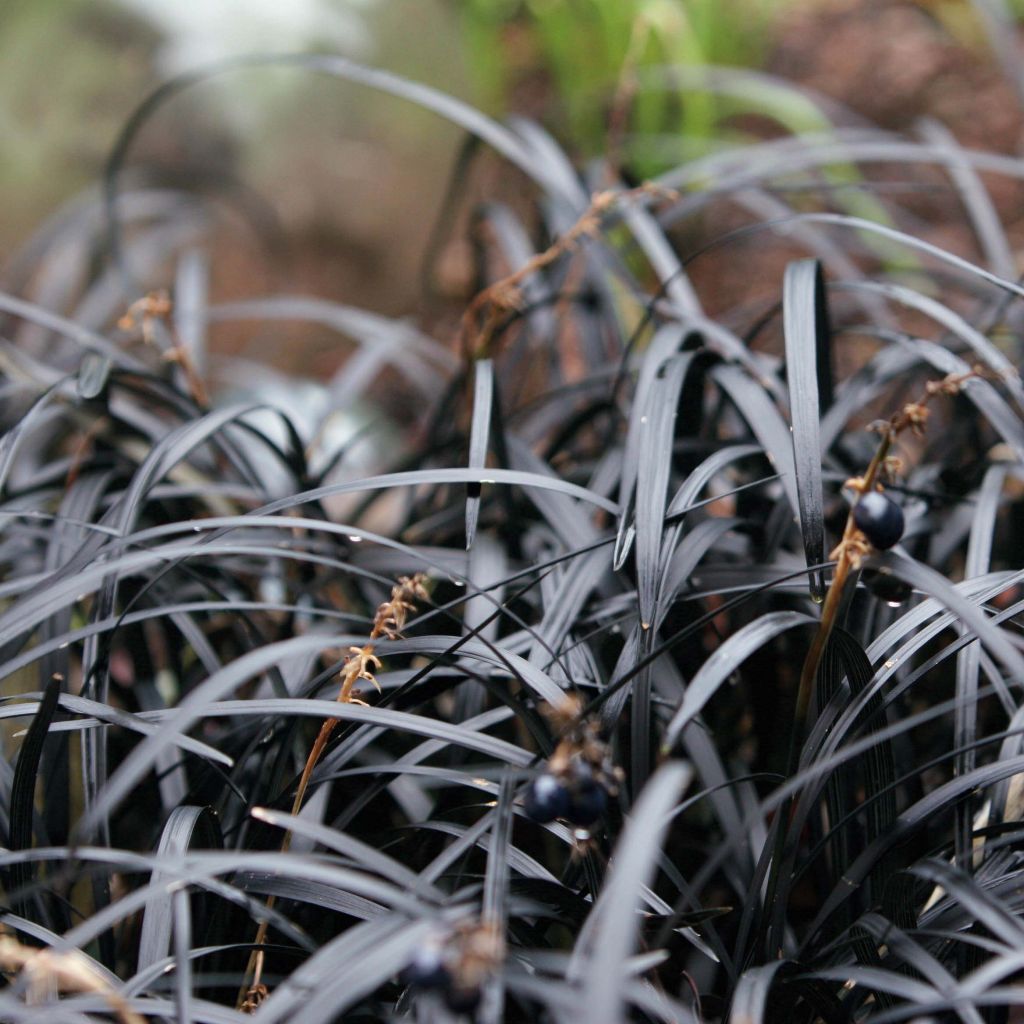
[588,45]
[654,56]
[592,51]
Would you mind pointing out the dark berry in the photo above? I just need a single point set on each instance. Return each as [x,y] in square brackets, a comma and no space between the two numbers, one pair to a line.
[427,969]
[886,587]
[588,803]
[460,999]
[588,799]
[879,518]
[546,799]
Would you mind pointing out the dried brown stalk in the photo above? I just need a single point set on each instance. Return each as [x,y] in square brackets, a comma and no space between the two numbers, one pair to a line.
[480,948]
[361,663]
[854,545]
[145,314]
[850,551]
[69,971]
[484,315]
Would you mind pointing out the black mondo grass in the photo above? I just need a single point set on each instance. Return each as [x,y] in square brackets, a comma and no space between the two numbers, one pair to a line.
[624,660]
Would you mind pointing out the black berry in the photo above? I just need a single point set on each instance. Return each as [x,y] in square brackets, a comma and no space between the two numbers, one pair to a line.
[460,999]
[588,799]
[546,799]
[879,518]
[886,587]
[427,969]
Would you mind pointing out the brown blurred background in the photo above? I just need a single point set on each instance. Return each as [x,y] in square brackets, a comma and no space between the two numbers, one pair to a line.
[355,180]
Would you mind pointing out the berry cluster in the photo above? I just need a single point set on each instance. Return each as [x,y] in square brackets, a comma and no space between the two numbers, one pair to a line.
[578,778]
[455,966]
[575,795]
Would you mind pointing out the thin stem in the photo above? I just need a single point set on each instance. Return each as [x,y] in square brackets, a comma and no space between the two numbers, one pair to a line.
[783,858]
[913,416]
[505,296]
[256,958]
[360,664]
[830,609]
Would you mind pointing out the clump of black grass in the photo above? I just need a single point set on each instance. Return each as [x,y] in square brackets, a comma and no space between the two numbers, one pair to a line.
[613,505]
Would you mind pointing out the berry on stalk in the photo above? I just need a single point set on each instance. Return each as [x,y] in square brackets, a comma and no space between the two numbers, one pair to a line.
[546,799]
[427,970]
[879,518]
[462,999]
[588,799]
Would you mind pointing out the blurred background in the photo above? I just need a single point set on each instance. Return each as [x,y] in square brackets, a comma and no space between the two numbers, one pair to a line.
[333,190]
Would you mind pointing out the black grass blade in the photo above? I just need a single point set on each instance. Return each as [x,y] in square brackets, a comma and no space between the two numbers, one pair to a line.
[21,813]
[479,434]
[809,374]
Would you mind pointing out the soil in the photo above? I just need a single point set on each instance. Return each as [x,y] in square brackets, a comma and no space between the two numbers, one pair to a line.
[894,62]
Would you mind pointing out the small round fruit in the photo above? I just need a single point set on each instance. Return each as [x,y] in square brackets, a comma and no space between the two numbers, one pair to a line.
[588,800]
[546,799]
[887,587]
[427,969]
[462,999]
[879,518]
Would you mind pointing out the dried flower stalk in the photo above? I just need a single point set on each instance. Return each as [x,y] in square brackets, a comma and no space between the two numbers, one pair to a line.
[69,971]
[361,664]
[506,296]
[853,546]
[145,314]
[849,553]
